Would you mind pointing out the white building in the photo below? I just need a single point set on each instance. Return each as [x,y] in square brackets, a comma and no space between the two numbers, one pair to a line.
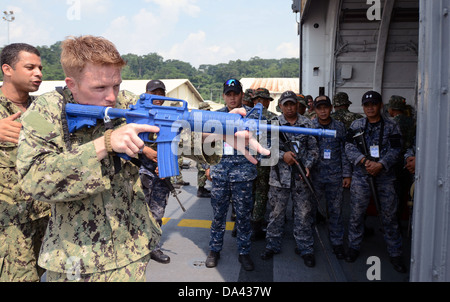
[178,89]
[276,87]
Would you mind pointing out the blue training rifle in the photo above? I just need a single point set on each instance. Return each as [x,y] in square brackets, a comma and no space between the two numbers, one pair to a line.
[171,120]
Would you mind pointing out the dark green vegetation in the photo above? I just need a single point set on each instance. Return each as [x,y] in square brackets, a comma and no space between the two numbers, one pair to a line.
[208,79]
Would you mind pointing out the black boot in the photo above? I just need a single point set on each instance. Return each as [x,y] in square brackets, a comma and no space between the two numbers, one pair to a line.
[320,218]
[339,251]
[309,260]
[159,256]
[397,263]
[203,193]
[257,231]
[182,183]
[352,254]
[267,254]
[246,262]
[212,259]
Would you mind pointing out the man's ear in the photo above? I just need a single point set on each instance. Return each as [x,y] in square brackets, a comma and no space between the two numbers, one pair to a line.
[71,83]
[7,70]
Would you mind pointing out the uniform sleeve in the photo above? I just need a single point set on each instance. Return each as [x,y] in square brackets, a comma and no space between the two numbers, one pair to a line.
[312,147]
[346,165]
[203,153]
[47,170]
[351,150]
[394,146]
[412,150]
[313,152]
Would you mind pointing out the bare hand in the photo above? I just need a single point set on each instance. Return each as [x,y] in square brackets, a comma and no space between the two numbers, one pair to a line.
[346,182]
[126,140]
[10,129]
[307,172]
[289,158]
[373,168]
[150,154]
[242,139]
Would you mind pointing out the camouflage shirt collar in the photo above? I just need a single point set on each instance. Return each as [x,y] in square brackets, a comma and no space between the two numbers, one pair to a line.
[283,120]
[67,94]
[8,103]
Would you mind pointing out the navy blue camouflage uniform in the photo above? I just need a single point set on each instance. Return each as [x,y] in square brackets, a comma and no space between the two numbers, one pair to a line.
[283,186]
[327,175]
[389,143]
[232,181]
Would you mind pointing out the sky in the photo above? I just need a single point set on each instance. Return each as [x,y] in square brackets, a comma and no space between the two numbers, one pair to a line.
[194,31]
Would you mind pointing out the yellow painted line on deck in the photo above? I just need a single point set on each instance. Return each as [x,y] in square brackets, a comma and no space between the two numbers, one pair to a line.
[165,220]
[205,224]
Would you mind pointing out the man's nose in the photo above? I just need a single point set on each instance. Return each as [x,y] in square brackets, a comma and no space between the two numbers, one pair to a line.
[38,72]
[110,95]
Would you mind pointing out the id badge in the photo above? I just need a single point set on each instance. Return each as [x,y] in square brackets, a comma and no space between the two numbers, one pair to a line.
[375,151]
[327,154]
[296,145]
[227,149]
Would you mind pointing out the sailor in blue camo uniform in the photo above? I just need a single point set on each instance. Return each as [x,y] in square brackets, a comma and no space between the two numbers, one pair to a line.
[383,138]
[332,171]
[284,185]
[232,181]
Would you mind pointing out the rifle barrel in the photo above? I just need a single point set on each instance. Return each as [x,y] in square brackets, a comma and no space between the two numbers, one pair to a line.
[233,121]
[196,118]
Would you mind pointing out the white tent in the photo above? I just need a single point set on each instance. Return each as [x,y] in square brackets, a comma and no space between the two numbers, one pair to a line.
[179,89]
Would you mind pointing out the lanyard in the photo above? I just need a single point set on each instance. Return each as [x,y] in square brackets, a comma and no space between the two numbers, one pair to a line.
[380,139]
[327,140]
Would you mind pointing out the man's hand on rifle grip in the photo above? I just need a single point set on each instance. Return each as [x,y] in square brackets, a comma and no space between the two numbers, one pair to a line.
[289,158]
[124,140]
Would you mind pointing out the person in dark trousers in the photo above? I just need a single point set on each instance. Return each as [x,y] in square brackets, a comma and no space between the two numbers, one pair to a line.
[284,185]
[383,137]
[332,172]
[232,182]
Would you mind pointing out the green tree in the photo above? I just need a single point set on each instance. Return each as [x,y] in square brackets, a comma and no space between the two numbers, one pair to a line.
[207,79]
[51,65]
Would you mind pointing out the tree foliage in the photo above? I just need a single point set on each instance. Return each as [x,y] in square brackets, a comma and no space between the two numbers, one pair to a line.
[208,79]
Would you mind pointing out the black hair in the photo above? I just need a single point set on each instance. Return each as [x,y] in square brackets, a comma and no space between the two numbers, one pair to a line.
[10,54]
